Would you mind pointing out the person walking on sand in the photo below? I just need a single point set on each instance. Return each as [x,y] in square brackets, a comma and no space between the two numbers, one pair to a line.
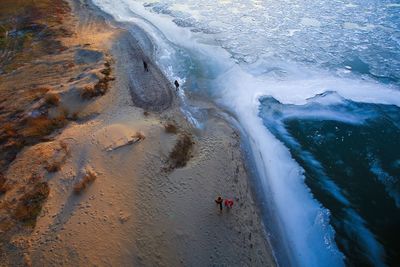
[176,85]
[219,201]
[146,68]
[228,203]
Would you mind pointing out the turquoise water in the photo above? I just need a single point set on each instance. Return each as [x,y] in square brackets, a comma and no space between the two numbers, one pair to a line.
[316,87]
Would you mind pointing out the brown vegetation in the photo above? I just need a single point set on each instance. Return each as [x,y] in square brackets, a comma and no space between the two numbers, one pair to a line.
[170,128]
[106,71]
[20,131]
[2,182]
[101,87]
[87,179]
[74,116]
[53,166]
[140,136]
[52,99]
[88,92]
[7,131]
[30,204]
[27,32]
[42,126]
[23,24]
[58,159]
[180,154]
[31,59]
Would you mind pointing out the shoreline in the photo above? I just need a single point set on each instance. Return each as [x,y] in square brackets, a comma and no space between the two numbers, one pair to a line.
[143,208]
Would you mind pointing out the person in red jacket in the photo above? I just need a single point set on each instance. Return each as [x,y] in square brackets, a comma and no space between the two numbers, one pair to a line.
[228,203]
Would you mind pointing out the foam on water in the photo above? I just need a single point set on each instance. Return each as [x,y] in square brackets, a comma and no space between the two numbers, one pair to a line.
[216,58]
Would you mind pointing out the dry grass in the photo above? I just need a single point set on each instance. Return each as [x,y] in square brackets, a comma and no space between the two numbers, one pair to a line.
[101,87]
[64,146]
[7,131]
[31,34]
[30,21]
[54,164]
[180,154]
[13,144]
[87,92]
[52,99]
[140,135]
[2,182]
[106,71]
[74,116]
[19,131]
[10,143]
[87,179]
[30,204]
[42,126]
[170,128]
[90,91]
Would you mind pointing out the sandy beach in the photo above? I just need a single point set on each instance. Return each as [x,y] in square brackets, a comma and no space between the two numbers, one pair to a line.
[128,180]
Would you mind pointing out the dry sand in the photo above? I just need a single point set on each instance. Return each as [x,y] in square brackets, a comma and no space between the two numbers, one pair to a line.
[138,211]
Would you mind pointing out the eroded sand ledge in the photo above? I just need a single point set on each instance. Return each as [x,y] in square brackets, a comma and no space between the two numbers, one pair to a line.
[139,211]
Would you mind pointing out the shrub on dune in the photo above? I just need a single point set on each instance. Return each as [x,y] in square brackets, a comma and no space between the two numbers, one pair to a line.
[180,154]
[42,126]
[170,128]
[30,204]
[87,179]
[52,99]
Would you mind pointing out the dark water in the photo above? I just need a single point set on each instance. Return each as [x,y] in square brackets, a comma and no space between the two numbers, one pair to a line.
[350,153]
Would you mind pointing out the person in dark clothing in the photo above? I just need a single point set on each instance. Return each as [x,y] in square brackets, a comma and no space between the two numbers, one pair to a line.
[176,85]
[146,68]
[219,201]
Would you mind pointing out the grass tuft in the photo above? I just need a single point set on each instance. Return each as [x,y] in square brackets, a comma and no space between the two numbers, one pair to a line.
[180,154]
[170,128]
[101,87]
[52,99]
[53,166]
[140,135]
[87,179]
[106,71]
[31,203]
[42,126]
[2,183]
[90,91]
[74,116]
